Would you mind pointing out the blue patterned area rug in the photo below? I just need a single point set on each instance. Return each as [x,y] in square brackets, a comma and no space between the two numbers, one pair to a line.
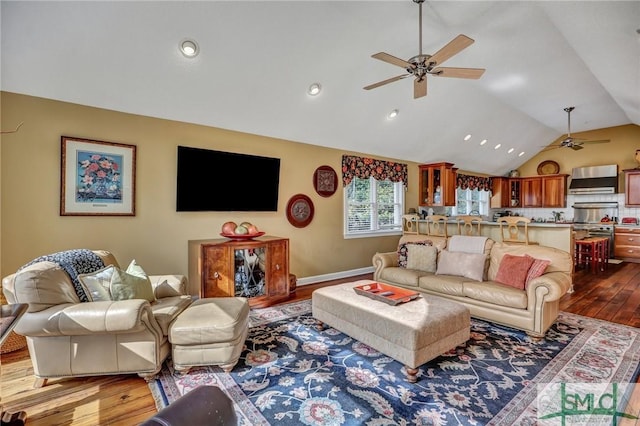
[291,373]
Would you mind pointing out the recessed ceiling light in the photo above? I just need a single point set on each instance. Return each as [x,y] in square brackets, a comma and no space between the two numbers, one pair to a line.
[393,114]
[521,154]
[497,146]
[189,48]
[466,138]
[510,150]
[314,89]
[483,142]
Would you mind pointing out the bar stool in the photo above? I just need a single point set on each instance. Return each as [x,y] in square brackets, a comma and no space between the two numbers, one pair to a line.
[592,252]
[437,225]
[516,235]
[468,225]
[410,224]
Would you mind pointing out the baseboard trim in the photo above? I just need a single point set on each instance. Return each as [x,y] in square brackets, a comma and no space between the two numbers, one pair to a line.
[333,276]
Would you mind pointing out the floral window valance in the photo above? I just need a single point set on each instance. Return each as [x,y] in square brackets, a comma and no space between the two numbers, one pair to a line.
[473,182]
[364,168]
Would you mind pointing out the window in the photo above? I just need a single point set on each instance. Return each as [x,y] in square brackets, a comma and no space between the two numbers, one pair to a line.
[373,207]
[471,201]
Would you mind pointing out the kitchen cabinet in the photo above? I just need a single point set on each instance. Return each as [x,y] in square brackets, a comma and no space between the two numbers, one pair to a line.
[554,191]
[627,243]
[532,192]
[437,184]
[506,192]
[632,187]
[256,268]
[538,191]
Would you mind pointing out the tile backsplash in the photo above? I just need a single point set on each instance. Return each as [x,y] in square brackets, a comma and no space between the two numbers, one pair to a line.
[545,213]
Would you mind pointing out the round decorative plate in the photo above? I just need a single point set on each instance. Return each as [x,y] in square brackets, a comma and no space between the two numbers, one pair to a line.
[325,181]
[300,210]
[548,168]
[242,236]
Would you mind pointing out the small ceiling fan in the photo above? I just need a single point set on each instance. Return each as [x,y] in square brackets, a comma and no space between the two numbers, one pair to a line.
[570,141]
[421,64]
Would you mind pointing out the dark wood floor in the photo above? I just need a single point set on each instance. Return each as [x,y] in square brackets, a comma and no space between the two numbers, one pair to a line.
[613,295]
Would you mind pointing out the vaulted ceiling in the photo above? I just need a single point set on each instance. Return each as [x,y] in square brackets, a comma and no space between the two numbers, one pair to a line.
[257,60]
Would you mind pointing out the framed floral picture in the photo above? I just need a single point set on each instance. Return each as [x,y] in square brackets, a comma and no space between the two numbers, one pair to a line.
[97,178]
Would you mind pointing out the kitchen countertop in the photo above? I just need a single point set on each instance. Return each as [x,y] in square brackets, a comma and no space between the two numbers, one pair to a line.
[532,224]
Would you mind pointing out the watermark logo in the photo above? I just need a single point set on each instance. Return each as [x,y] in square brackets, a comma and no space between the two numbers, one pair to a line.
[585,403]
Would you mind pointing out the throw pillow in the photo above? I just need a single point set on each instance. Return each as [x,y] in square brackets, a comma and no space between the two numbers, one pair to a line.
[96,284]
[468,265]
[537,268]
[422,257]
[513,270]
[402,251]
[131,284]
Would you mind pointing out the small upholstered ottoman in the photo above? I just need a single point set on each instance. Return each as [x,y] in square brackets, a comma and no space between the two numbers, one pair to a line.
[412,333]
[210,331]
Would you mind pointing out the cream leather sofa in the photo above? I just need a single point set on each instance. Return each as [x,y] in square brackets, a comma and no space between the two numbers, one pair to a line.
[532,310]
[67,338]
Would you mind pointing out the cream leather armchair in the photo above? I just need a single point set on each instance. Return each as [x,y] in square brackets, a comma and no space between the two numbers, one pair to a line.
[69,338]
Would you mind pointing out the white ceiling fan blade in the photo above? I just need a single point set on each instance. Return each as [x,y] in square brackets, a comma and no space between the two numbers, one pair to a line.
[420,87]
[474,73]
[392,60]
[452,48]
[387,81]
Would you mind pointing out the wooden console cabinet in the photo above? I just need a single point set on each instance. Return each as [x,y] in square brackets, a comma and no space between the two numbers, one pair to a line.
[257,269]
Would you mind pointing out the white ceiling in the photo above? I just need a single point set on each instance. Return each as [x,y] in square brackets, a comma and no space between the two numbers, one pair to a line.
[258,58]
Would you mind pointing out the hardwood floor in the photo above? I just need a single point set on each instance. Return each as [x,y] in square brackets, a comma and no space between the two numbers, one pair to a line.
[613,295]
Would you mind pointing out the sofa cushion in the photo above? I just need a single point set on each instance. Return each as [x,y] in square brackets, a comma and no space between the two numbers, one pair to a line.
[513,270]
[561,261]
[443,284]
[127,285]
[403,251]
[42,285]
[422,257]
[96,284]
[469,265]
[538,268]
[496,293]
[401,276]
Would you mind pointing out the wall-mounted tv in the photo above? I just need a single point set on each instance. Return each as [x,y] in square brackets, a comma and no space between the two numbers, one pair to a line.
[224,181]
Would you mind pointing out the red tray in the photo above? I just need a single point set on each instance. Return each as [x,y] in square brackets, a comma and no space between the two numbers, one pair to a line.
[386,293]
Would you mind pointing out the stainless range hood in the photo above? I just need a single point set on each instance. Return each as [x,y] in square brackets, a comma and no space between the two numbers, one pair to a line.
[594,180]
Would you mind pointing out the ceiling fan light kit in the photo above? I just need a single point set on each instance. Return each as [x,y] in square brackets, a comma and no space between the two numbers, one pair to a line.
[421,65]
[571,142]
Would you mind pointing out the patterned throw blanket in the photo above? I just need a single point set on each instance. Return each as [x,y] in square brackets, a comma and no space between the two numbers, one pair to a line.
[74,262]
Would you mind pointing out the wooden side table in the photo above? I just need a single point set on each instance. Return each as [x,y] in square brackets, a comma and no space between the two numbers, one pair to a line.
[9,316]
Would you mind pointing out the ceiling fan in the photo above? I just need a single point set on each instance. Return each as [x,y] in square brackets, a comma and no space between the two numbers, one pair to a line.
[570,141]
[421,64]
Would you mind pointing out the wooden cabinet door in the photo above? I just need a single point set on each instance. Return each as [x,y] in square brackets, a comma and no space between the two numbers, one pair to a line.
[532,192]
[632,188]
[217,271]
[554,191]
[278,271]
[437,184]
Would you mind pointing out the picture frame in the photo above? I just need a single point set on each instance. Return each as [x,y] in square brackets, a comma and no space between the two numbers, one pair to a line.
[97,178]
[325,181]
[300,210]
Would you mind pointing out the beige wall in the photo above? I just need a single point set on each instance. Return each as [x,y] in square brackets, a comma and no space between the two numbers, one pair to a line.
[621,151]
[157,236]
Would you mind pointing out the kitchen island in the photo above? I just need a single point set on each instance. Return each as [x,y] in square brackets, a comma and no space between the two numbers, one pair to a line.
[550,234]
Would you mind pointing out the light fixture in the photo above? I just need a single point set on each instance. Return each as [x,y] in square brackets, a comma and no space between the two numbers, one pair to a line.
[393,114]
[521,154]
[314,89]
[497,146]
[483,142]
[189,48]
[510,150]
[466,138]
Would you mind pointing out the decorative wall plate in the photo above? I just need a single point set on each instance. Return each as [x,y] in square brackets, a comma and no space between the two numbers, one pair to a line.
[325,181]
[548,168]
[300,210]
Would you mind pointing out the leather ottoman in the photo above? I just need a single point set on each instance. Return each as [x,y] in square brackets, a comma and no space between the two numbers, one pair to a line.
[412,333]
[210,331]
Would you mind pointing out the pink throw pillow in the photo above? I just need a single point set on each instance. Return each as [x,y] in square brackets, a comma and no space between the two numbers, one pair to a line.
[513,270]
[537,268]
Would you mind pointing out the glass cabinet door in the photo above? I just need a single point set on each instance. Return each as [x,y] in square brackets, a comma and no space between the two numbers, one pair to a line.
[249,272]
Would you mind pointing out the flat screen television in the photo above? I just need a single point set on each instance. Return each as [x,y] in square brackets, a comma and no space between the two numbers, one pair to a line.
[211,180]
